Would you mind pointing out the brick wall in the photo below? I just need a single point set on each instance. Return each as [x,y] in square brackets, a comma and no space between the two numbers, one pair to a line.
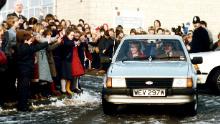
[169,12]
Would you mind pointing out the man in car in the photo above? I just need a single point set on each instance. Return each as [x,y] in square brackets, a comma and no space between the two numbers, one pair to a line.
[168,50]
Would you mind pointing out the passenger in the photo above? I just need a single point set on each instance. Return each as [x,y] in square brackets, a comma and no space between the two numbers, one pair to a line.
[135,51]
[168,51]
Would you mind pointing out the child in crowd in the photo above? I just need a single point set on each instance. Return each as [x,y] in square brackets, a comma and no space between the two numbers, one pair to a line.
[25,50]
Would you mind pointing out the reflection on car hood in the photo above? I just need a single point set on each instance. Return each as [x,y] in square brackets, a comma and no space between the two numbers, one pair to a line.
[149,69]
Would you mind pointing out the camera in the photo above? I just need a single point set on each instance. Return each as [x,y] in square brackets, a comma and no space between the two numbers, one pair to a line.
[177,30]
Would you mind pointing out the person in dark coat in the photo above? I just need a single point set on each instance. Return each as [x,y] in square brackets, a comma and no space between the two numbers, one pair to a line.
[67,53]
[106,45]
[3,67]
[200,40]
[24,54]
[57,56]
[8,46]
[94,51]
[119,35]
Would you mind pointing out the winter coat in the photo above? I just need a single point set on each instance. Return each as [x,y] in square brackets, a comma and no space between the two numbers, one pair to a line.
[46,63]
[200,41]
[51,58]
[25,58]
[81,52]
[106,49]
[9,42]
[3,61]
[77,66]
[67,54]
[43,65]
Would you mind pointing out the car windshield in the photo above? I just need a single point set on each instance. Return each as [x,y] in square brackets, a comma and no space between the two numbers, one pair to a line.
[151,49]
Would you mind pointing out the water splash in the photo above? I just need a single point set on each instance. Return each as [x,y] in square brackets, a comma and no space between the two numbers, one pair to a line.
[89,99]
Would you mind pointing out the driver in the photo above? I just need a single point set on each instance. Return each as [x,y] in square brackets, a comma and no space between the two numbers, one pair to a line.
[135,50]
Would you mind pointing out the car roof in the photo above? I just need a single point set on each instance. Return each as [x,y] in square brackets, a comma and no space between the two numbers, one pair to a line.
[152,37]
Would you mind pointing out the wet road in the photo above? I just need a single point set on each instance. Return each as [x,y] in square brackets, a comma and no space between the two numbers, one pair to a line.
[87,109]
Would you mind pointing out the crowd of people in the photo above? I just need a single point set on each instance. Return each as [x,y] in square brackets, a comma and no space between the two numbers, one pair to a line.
[46,56]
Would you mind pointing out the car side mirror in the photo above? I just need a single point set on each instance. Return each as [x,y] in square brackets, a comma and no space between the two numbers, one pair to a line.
[197,60]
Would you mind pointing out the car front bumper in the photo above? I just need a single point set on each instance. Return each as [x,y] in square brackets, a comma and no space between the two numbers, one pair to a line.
[174,96]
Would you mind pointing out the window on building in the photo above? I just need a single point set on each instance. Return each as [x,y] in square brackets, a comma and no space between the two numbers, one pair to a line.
[37,12]
[10,4]
[34,3]
[30,7]
[31,13]
[50,9]
[47,2]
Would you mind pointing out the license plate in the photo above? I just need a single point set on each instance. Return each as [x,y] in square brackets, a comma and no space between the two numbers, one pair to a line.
[149,92]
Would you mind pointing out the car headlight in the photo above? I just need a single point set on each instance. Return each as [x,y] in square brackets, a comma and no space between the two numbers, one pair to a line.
[115,82]
[183,82]
[118,82]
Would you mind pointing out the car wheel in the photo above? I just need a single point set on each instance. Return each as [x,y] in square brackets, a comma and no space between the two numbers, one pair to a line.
[192,107]
[108,108]
[215,81]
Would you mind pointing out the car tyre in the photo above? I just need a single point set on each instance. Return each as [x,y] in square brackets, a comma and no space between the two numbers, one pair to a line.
[192,107]
[108,108]
[215,81]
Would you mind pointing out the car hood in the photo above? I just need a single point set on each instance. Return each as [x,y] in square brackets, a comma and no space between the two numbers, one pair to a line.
[149,69]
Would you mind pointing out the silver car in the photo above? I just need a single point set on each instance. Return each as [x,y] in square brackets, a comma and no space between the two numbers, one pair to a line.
[151,69]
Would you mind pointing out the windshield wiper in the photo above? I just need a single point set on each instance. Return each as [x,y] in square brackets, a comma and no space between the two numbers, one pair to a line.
[169,57]
[125,59]
[133,59]
[150,58]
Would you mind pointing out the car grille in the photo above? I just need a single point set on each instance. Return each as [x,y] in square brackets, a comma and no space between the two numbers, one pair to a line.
[141,82]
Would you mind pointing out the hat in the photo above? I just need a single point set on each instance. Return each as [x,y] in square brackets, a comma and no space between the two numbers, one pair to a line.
[196,19]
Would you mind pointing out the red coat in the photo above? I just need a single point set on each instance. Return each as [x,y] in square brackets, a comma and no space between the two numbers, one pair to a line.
[3,58]
[77,67]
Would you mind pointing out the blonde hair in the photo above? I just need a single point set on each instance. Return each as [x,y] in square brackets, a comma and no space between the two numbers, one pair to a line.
[38,27]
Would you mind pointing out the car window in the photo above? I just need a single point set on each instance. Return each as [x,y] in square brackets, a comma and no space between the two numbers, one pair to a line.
[151,49]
